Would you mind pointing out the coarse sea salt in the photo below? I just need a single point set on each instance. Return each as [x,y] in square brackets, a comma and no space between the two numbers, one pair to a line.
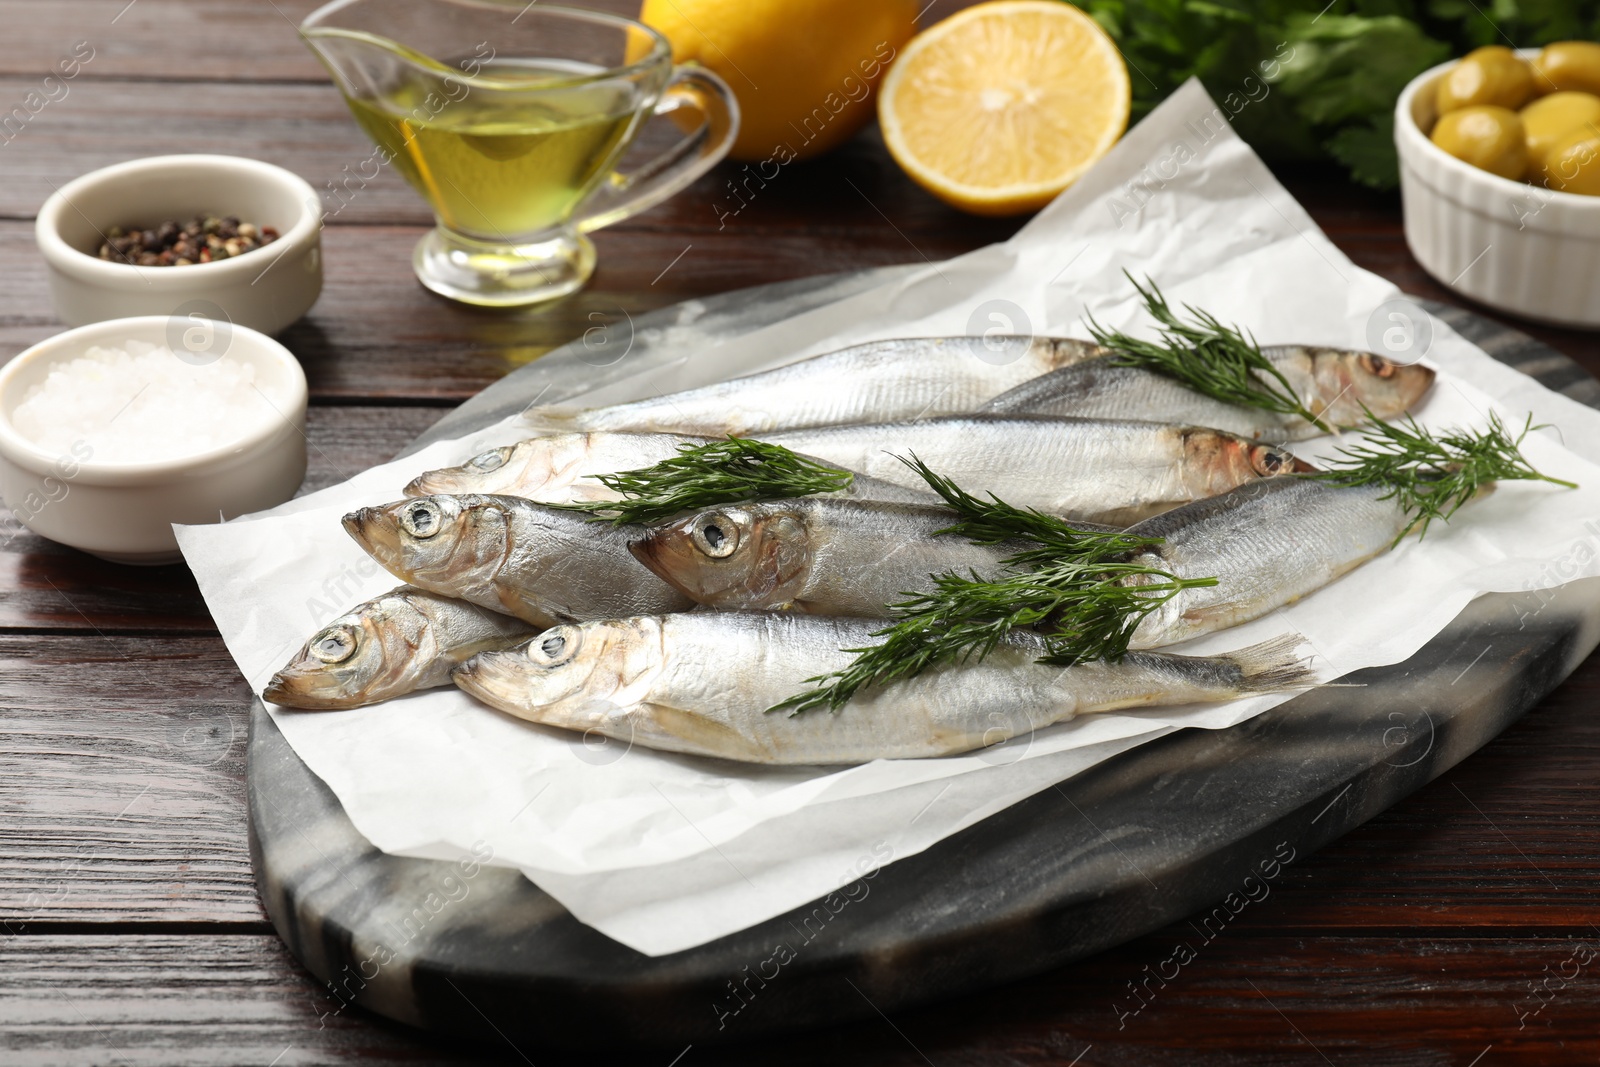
[140,403]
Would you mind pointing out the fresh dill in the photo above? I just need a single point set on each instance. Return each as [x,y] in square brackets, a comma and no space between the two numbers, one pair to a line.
[1432,475]
[719,472]
[1205,355]
[1083,609]
[1080,590]
[988,522]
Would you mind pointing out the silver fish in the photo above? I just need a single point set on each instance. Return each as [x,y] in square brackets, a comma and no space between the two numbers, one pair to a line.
[404,640]
[512,555]
[900,379]
[1335,383]
[823,557]
[701,684]
[565,468]
[1098,470]
[1269,543]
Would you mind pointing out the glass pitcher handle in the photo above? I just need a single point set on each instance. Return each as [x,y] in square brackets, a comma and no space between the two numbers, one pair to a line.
[623,195]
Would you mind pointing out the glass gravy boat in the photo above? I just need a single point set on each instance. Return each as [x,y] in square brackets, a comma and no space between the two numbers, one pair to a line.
[513,132]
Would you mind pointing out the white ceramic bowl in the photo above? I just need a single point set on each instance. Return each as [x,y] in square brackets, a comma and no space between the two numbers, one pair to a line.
[266,289]
[125,511]
[1522,248]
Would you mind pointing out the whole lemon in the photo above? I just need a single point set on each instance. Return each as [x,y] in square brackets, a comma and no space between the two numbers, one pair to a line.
[804,71]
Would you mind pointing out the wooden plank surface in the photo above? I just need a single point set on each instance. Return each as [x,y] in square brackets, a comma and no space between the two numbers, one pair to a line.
[1428,936]
[1374,1001]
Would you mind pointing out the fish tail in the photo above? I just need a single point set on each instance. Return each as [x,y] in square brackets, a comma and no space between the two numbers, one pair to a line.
[1273,665]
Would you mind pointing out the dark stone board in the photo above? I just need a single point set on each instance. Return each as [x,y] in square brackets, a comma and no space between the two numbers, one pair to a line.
[1178,827]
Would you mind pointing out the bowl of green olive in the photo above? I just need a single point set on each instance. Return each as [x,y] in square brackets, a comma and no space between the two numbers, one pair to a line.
[1500,178]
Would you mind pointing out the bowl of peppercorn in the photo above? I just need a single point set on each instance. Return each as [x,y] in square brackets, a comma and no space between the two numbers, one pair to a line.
[192,236]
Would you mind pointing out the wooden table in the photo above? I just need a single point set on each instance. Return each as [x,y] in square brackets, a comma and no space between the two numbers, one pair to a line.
[1461,927]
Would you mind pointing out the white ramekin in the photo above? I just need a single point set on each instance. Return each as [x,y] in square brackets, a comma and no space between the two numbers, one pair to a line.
[266,289]
[1521,248]
[124,512]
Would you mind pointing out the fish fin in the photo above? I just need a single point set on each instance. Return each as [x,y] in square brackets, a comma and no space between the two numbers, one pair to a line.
[1273,665]
[703,736]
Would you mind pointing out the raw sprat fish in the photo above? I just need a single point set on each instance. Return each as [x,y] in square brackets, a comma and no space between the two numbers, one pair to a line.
[1114,471]
[702,683]
[908,378]
[540,564]
[1339,386]
[566,468]
[404,640]
[814,555]
[1268,544]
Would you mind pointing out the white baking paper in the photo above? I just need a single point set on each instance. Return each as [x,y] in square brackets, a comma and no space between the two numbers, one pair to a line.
[665,852]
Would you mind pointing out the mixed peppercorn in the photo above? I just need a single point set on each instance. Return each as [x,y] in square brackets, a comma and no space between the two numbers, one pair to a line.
[203,239]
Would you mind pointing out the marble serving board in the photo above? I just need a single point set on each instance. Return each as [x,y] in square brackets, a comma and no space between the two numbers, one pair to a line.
[1174,828]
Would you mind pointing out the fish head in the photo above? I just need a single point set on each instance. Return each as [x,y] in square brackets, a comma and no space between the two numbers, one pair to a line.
[527,469]
[1348,382]
[360,658]
[483,473]
[588,676]
[438,542]
[750,557]
[1215,462]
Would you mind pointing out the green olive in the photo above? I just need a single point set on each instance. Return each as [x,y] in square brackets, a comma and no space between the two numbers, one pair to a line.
[1551,118]
[1573,163]
[1565,65]
[1490,138]
[1492,74]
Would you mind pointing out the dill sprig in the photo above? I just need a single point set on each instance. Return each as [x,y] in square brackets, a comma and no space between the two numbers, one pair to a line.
[1078,589]
[988,522]
[1081,608]
[720,472]
[1432,475]
[1205,355]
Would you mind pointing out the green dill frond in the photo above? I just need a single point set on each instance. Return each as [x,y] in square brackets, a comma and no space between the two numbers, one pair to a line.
[703,476]
[1078,589]
[1083,610]
[988,522]
[1432,475]
[1205,355]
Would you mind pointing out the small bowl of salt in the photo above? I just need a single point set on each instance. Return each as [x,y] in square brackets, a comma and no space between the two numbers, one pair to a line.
[112,432]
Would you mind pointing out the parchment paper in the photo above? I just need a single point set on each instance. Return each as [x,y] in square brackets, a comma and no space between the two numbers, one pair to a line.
[665,852]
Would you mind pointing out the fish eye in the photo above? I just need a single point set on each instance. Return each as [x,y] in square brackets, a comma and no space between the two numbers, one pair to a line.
[1270,461]
[421,519]
[555,646]
[715,534]
[334,645]
[1377,366]
[491,460]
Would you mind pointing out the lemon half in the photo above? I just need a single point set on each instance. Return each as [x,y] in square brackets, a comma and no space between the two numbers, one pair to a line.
[999,108]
